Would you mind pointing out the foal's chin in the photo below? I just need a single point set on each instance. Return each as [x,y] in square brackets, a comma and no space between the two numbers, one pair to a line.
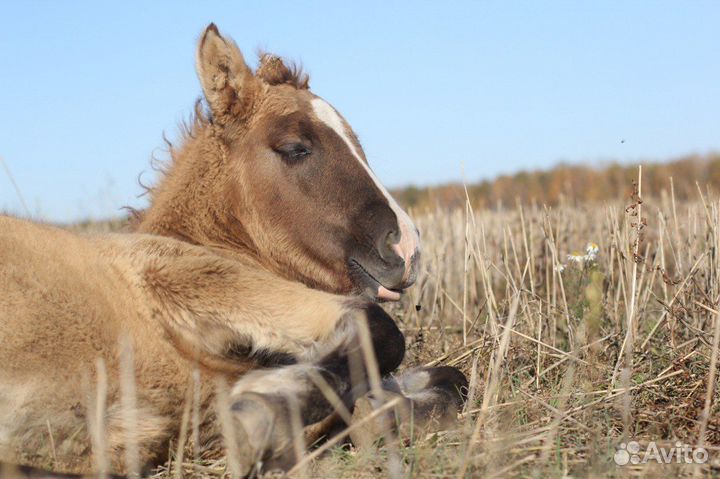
[368,286]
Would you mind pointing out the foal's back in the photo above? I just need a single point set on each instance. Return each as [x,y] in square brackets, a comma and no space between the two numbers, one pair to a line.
[59,300]
[63,305]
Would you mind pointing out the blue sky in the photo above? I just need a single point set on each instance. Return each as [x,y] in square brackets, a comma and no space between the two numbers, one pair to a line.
[86,90]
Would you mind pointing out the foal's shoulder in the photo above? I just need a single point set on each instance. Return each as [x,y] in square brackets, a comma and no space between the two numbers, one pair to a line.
[149,246]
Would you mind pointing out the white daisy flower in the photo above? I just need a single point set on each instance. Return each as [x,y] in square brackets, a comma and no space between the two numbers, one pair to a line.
[592,250]
[559,268]
[576,257]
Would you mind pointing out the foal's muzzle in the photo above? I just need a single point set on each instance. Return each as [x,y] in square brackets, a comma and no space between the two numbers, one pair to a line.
[385,277]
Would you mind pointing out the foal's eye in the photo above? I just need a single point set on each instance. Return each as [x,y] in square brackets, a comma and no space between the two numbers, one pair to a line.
[293,152]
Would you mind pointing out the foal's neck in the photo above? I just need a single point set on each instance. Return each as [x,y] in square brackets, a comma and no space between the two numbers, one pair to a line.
[191,201]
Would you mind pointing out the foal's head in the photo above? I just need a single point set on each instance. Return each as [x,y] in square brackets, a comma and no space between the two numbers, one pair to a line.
[297,179]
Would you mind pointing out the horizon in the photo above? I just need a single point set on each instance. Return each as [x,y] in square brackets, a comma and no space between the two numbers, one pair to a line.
[437,93]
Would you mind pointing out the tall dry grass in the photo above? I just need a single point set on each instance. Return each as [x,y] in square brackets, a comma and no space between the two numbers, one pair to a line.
[574,355]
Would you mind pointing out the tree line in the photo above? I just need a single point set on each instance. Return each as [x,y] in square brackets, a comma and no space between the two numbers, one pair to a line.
[572,183]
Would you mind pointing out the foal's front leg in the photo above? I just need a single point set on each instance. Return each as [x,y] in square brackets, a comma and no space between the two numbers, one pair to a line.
[263,402]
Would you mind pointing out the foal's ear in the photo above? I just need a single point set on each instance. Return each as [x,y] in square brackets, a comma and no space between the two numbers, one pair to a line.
[227,81]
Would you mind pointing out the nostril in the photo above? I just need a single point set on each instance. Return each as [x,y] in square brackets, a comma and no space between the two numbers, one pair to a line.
[387,245]
[391,239]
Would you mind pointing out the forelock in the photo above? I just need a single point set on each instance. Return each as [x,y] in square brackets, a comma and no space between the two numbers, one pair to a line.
[273,71]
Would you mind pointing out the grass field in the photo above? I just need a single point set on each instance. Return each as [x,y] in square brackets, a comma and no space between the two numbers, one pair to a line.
[581,328]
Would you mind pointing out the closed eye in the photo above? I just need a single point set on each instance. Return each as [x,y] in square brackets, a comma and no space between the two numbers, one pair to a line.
[293,152]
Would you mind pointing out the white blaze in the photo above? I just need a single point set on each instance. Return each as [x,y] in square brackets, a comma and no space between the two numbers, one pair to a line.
[409,241]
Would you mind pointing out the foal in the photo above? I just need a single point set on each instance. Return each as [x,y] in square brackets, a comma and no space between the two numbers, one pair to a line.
[269,241]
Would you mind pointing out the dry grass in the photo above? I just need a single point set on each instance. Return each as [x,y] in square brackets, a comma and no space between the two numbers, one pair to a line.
[564,365]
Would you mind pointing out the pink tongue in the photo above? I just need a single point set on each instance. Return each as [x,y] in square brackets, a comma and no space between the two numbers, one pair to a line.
[384,293]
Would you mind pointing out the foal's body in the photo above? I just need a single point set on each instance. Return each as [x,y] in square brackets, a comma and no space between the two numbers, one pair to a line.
[264,233]
[68,300]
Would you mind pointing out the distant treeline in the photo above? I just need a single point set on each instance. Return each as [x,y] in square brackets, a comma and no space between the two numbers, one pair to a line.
[572,183]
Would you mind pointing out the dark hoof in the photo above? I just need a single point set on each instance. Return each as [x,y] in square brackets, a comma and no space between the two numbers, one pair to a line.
[388,340]
[430,399]
[438,392]
[265,433]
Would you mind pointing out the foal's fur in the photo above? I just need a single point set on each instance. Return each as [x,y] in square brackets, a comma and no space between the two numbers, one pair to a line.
[68,300]
[265,222]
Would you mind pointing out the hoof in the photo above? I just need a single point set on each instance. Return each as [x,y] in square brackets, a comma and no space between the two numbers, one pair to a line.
[430,399]
[265,433]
